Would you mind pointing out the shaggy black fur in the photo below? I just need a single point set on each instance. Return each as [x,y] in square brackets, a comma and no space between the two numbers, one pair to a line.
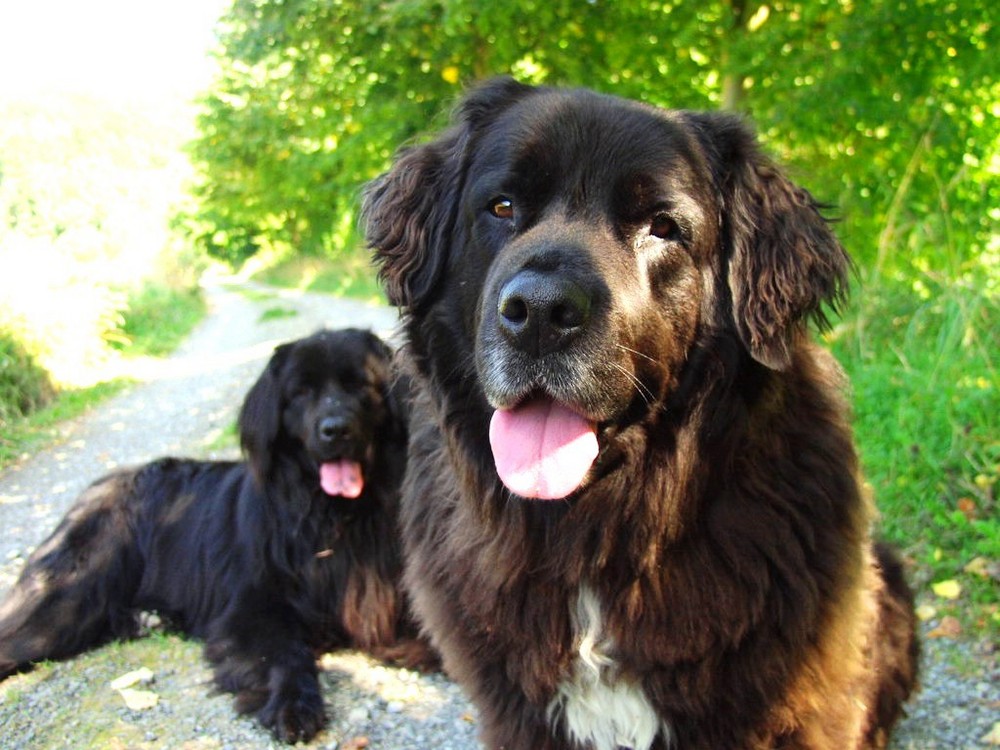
[255,558]
[710,582]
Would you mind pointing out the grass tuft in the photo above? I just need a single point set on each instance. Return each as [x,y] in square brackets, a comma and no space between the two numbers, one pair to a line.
[347,275]
[156,319]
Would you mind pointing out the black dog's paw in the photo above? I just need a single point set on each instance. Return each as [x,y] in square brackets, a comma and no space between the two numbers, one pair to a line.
[294,711]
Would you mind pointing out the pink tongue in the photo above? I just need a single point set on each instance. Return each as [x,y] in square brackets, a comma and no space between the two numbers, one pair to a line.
[341,478]
[542,449]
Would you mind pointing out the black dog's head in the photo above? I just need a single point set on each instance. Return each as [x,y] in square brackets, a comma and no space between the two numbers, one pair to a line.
[325,403]
[579,245]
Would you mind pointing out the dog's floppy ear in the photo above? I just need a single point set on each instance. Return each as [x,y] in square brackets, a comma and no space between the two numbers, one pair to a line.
[260,416]
[785,263]
[409,212]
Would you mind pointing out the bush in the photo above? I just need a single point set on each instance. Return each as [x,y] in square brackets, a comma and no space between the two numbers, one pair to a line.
[24,384]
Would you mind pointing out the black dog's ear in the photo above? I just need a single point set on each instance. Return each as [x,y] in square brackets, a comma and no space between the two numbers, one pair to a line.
[377,346]
[409,212]
[260,416]
[785,263]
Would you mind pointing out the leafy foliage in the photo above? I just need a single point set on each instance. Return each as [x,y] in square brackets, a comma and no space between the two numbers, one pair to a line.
[890,106]
[156,319]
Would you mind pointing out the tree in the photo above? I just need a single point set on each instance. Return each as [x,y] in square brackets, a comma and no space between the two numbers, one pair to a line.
[886,109]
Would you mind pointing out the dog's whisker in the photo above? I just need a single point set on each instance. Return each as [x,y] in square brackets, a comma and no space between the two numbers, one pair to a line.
[638,353]
[647,395]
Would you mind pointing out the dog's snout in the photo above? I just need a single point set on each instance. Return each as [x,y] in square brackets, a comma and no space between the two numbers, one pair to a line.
[332,428]
[541,312]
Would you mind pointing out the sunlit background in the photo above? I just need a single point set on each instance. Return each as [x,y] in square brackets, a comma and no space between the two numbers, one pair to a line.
[115,49]
[96,104]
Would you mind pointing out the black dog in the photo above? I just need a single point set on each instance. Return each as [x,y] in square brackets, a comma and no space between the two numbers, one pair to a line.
[269,561]
[631,512]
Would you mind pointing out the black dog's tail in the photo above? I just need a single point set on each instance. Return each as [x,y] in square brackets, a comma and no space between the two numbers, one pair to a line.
[75,590]
[897,648]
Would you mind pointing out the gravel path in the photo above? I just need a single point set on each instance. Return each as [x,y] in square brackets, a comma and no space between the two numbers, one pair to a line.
[182,406]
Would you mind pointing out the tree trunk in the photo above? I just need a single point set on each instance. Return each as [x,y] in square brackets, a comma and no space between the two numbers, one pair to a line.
[732,81]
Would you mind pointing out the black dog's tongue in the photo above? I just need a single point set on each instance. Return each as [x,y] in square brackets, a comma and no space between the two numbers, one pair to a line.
[342,478]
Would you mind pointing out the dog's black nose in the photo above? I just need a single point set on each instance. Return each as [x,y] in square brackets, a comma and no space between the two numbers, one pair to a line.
[541,312]
[332,428]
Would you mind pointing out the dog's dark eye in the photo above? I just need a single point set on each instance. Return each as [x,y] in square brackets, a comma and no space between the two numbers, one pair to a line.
[502,208]
[665,228]
[297,391]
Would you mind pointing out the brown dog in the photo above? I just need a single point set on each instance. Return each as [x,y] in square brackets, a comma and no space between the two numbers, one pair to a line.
[632,514]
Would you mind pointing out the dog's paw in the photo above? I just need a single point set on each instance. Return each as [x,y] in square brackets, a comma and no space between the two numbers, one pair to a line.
[294,712]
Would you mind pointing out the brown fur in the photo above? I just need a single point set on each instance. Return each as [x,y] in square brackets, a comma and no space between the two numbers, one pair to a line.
[722,526]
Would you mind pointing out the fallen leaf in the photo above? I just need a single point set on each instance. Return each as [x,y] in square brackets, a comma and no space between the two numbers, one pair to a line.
[978,566]
[355,743]
[983,567]
[949,627]
[143,676]
[139,700]
[993,736]
[926,612]
[967,506]
[950,589]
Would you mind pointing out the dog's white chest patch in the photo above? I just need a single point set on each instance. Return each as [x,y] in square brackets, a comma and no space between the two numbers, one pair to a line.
[596,706]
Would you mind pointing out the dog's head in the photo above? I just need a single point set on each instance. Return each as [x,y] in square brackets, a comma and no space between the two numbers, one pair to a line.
[324,403]
[580,245]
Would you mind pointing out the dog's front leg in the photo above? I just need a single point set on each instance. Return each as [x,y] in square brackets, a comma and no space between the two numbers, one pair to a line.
[260,655]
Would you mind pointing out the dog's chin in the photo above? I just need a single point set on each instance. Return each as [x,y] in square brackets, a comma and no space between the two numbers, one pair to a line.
[583,378]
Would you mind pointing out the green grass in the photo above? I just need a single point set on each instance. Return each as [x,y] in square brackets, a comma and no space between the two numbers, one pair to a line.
[225,440]
[923,364]
[24,384]
[157,318]
[276,313]
[25,434]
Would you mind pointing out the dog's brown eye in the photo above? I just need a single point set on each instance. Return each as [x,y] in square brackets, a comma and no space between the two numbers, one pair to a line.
[502,208]
[665,228]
